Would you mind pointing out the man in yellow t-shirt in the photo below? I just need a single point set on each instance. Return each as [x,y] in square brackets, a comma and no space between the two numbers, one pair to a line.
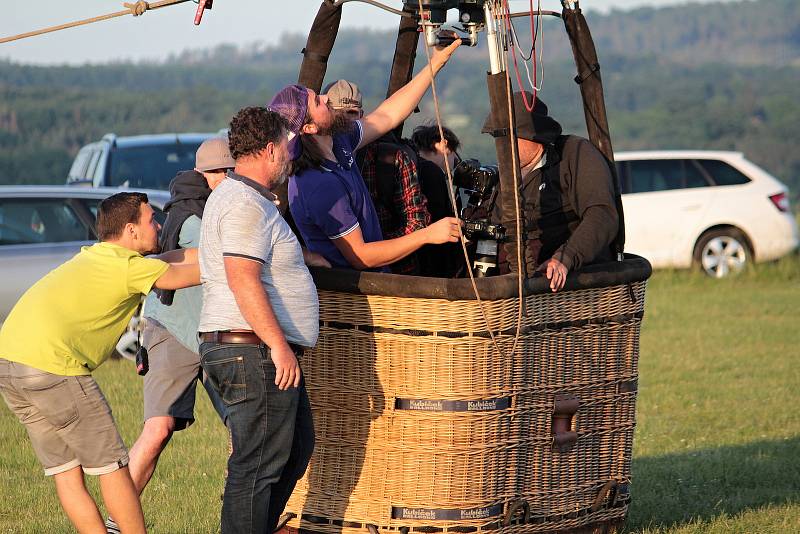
[60,331]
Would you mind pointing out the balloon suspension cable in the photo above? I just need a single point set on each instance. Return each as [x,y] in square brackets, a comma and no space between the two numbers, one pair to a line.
[378,5]
[134,8]
[451,191]
[517,210]
[537,34]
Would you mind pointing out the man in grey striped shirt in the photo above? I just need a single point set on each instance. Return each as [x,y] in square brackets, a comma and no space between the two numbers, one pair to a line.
[260,312]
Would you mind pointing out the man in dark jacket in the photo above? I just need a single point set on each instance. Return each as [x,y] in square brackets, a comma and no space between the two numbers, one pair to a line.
[569,215]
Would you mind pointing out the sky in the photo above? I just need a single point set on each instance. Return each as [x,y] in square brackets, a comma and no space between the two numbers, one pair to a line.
[170,30]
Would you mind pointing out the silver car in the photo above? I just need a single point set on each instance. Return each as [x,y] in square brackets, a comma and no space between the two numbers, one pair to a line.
[43,226]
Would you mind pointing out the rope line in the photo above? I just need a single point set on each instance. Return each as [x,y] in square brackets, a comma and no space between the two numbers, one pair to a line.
[451,190]
[136,9]
[517,209]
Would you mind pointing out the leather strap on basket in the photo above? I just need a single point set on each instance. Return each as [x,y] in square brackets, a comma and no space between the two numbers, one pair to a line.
[565,406]
[513,510]
[446,405]
[285,518]
[446,514]
[518,513]
[609,490]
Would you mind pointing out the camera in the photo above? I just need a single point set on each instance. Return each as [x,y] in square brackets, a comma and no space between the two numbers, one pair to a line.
[476,186]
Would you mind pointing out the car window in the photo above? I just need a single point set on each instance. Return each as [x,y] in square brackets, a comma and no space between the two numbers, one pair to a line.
[79,165]
[150,167]
[26,221]
[722,173]
[664,175]
[655,175]
[694,175]
[622,176]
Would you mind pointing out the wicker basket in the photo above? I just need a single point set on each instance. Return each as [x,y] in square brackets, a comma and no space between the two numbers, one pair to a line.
[422,426]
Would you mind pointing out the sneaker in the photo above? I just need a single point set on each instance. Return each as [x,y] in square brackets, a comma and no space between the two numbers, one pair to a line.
[112,527]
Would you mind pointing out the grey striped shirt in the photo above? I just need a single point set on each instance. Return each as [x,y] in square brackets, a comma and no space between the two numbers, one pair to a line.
[238,221]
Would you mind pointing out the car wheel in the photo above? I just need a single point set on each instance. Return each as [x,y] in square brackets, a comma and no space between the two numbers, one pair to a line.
[722,253]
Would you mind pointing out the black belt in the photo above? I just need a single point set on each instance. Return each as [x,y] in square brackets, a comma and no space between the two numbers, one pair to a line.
[245,338]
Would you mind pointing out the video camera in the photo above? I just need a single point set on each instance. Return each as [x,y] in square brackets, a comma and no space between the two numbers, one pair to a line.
[476,185]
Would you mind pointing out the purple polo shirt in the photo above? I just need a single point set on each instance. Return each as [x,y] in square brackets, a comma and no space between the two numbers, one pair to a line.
[331,202]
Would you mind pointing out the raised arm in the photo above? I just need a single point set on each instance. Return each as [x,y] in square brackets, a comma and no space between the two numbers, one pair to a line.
[399,106]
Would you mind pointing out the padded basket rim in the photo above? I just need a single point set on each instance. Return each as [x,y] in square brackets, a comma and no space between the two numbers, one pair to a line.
[632,269]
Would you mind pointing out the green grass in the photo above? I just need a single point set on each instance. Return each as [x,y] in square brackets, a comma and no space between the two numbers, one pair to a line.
[717,444]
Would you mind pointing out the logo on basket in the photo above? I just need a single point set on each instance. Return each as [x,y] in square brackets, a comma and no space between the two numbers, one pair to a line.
[418,513]
[426,405]
[482,405]
[475,513]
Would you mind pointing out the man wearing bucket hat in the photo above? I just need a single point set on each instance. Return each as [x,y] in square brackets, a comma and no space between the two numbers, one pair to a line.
[328,198]
[171,320]
[569,204]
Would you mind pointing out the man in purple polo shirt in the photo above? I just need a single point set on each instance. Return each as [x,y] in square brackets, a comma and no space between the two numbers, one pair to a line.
[329,201]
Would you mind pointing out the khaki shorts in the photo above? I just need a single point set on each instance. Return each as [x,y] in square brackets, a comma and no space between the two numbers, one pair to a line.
[171,383]
[67,418]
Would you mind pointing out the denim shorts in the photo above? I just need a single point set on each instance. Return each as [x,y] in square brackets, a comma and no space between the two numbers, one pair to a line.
[67,418]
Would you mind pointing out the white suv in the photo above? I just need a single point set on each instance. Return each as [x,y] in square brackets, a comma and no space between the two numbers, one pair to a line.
[713,209]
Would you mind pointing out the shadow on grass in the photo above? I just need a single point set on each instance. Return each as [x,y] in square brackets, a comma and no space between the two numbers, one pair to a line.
[675,489]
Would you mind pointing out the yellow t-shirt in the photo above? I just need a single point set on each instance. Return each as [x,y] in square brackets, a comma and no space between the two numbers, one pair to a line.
[68,322]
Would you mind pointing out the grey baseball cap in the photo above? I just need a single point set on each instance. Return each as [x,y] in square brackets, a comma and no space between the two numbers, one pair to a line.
[214,154]
[343,95]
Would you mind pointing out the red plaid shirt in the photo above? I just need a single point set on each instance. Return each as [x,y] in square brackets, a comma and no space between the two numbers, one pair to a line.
[408,211]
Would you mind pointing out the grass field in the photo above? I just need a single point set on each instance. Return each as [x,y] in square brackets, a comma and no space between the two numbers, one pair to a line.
[717,444]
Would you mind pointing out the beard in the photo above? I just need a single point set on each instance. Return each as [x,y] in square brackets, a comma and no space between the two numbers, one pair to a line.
[281,179]
[340,123]
[282,175]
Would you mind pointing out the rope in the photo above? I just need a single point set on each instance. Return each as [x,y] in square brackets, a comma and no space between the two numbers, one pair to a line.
[379,5]
[451,190]
[136,9]
[518,215]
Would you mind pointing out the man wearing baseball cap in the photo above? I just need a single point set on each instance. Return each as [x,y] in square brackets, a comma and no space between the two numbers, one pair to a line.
[570,216]
[172,318]
[329,201]
[345,97]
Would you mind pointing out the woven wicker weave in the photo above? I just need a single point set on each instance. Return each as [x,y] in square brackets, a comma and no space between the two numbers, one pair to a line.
[422,425]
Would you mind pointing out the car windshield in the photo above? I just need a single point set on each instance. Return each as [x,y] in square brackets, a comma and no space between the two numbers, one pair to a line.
[152,166]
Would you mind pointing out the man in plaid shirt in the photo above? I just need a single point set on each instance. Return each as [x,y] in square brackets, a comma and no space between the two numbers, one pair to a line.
[397,194]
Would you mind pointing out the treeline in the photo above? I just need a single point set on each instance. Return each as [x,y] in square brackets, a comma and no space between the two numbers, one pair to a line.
[655,101]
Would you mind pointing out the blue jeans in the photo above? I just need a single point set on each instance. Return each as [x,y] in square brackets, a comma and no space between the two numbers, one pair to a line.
[272,431]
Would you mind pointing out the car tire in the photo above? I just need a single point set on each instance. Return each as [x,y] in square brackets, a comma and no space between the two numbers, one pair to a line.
[722,252]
